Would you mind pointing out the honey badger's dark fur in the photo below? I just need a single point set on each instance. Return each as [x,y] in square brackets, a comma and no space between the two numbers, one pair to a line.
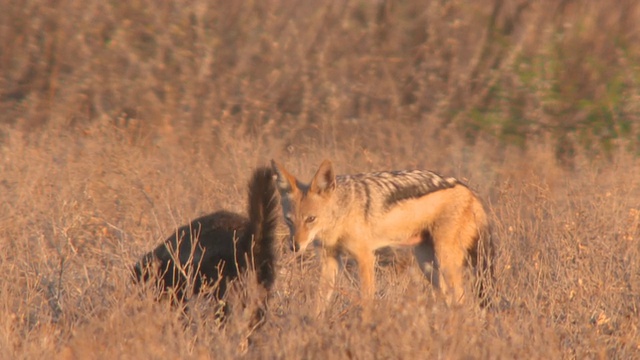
[216,248]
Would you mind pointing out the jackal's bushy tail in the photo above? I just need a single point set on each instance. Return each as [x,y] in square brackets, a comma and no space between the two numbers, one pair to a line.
[263,216]
[485,267]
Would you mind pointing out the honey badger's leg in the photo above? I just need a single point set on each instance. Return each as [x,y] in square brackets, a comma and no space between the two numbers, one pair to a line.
[425,255]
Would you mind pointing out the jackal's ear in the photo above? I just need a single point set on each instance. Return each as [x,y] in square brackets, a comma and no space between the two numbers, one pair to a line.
[324,180]
[285,182]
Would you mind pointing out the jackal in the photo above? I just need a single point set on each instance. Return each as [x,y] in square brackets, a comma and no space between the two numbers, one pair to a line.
[440,217]
[216,248]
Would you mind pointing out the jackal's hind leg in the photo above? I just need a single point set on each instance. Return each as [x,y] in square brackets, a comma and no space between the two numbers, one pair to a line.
[451,266]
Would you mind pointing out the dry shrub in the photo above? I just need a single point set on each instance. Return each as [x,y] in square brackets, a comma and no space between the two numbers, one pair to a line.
[512,70]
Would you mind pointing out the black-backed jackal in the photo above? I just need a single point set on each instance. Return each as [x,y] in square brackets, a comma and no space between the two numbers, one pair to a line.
[216,248]
[440,217]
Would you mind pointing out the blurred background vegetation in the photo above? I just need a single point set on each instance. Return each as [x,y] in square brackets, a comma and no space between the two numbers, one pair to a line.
[515,72]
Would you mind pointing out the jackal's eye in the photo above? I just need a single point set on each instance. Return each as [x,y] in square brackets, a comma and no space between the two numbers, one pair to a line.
[310,219]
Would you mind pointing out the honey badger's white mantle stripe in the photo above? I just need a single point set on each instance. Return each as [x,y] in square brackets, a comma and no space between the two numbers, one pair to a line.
[358,214]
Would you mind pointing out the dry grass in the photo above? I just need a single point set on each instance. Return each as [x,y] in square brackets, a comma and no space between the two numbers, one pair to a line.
[79,209]
[122,120]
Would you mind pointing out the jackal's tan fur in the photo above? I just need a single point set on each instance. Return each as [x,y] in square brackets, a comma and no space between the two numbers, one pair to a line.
[356,214]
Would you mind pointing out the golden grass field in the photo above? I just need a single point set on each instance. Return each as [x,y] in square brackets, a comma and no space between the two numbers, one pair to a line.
[121,122]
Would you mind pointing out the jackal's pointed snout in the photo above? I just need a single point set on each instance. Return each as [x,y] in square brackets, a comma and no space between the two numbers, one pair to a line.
[294,246]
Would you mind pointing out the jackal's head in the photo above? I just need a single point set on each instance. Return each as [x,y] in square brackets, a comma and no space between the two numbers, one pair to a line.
[306,208]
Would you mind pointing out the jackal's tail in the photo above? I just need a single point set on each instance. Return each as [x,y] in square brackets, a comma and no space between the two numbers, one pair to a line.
[485,268]
[263,216]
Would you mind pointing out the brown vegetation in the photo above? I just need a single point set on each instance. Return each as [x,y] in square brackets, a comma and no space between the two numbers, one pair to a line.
[122,120]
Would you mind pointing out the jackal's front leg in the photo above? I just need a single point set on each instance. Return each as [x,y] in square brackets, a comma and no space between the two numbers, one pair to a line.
[330,267]
[367,273]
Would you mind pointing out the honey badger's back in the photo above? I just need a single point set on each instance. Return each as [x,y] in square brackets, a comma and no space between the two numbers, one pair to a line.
[191,254]
[219,246]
